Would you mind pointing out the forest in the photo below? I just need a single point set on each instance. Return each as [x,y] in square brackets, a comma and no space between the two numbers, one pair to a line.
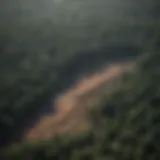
[46,46]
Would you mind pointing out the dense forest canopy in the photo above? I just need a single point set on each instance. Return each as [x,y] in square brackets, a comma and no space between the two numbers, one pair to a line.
[41,41]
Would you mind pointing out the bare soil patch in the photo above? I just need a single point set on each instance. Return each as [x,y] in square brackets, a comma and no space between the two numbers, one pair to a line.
[71,107]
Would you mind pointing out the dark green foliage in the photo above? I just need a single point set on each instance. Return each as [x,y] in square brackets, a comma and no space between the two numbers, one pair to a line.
[133,135]
[34,65]
[30,78]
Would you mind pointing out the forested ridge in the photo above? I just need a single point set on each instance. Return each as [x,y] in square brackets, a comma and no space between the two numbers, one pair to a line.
[41,60]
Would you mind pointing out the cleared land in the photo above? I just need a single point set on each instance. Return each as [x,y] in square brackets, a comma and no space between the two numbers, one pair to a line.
[71,114]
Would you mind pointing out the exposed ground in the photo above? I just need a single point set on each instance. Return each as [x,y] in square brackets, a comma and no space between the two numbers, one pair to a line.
[71,113]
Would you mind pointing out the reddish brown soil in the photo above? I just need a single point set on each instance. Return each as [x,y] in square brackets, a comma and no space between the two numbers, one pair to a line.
[71,107]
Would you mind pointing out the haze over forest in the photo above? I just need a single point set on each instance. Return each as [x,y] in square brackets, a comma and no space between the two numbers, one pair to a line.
[50,48]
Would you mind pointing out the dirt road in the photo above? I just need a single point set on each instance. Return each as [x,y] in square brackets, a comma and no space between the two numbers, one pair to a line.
[71,106]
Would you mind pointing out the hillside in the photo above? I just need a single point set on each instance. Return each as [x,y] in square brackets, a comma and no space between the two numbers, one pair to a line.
[63,94]
[133,134]
[71,114]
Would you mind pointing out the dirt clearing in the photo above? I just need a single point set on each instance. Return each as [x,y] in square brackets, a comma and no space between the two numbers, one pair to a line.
[71,113]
